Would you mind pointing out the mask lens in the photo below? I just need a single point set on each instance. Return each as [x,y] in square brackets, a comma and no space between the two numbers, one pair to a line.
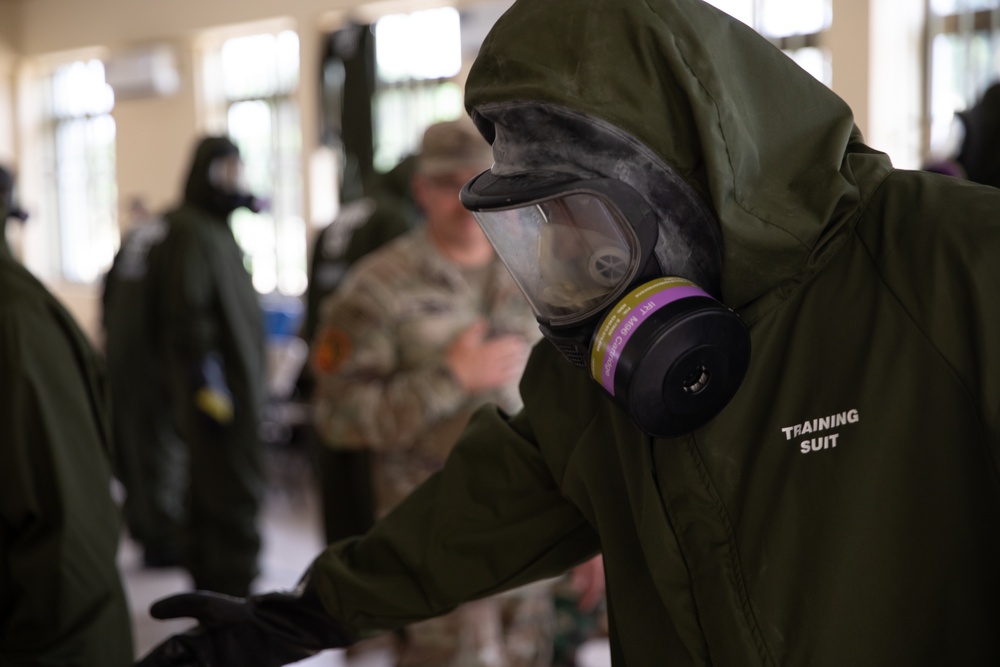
[225,174]
[570,255]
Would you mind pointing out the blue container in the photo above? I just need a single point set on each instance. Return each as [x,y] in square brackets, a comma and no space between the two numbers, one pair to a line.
[282,314]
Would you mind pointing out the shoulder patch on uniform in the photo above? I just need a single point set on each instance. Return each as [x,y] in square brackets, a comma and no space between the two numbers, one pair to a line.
[333,348]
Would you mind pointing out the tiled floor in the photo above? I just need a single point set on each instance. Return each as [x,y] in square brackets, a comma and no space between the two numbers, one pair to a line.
[292,537]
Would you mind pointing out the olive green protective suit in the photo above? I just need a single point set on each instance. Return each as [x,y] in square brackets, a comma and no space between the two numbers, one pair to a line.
[206,305]
[6,203]
[61,597]
[149,455]
[8,210]
[844,508]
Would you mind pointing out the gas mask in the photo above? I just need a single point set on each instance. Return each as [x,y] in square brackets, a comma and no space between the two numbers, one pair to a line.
[584,251]
[17,213]
[228,185]
[9,207]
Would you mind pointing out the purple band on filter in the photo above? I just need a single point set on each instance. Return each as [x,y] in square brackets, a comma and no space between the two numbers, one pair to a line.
[631,321]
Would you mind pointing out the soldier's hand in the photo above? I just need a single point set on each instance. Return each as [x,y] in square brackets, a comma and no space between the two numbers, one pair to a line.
[259,631]
[480,363]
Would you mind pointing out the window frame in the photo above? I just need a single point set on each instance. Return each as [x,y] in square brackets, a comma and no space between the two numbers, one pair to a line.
[962,23]
[44,238]
[285,217]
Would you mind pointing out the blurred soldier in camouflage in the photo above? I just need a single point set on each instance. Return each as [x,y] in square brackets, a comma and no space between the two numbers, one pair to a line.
[421,332]
[362,225]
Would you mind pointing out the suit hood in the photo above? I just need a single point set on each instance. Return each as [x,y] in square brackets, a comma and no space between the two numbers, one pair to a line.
[198,189]
[980,156]
[772,154]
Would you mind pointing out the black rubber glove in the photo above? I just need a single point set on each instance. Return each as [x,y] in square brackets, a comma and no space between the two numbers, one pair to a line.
[258,631]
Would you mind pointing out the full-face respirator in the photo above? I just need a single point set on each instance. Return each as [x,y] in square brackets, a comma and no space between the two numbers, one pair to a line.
[9,208]
[228,183]
[582,252]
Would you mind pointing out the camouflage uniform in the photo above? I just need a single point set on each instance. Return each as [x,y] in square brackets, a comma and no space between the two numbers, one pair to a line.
[383,384]
[361,226]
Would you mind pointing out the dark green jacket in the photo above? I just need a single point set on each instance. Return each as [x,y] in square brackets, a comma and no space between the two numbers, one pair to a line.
[844,509]
[205,299]
[137,373]
[61,598]
[207,304]
[360,227]
[124,304]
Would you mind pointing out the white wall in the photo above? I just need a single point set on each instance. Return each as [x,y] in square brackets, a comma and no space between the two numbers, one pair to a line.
[847,40]
[152,142]
[896,80]
[877,53]
[9,19]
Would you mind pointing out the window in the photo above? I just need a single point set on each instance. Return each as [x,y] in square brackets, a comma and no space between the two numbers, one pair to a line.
[254,79]
[964,58]
[417,57]
[795,26]
[78,146]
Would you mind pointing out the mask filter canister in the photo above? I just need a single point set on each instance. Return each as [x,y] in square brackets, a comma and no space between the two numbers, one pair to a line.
[671,355]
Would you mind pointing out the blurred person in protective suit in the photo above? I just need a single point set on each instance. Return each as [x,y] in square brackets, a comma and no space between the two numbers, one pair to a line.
[362,225]
[978,157]
[207,316]
[787,445]
[149,455]
[61,595]
[9,210]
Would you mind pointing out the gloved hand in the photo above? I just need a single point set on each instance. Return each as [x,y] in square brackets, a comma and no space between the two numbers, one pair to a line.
[211,395]
[258,631]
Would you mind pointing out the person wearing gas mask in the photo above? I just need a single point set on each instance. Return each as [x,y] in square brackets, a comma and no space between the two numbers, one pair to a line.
[9,209]
[208,323]
[977,158]
[61,596]
[778,423]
